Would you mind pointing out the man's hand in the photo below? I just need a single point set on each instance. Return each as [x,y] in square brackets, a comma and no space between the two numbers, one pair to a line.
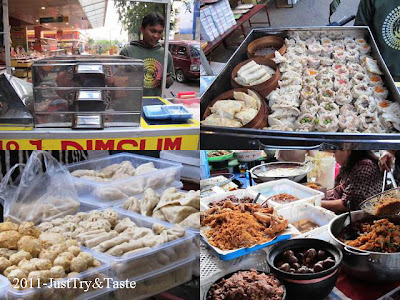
[169,81]
[386,160]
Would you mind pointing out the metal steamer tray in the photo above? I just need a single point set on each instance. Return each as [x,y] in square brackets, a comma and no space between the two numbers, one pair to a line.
[247,138]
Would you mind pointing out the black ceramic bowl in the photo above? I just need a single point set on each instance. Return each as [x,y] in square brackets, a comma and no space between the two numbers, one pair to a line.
[230,274]
[307,285]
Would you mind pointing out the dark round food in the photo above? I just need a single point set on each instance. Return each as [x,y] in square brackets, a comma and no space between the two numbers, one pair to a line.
[321,255]
[288,253]
[302,270]
[296,266]
[307,282]
[318,267]
[279,264]
[300,257]
[311,253]
[285,267]
[304,261]
[292,259]
[329,262]
[241,284]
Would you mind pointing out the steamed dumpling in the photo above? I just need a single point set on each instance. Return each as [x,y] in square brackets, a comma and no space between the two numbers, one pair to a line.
[108,194]
[192,221]
[217,120]
[149,202]
[192,198]
[132,204]
[246,115]
[249,101]
[145,168]
[176,214]
[227,108]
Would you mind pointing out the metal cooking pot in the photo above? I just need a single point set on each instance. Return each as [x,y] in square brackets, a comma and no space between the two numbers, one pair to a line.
[365,265]
[304,168]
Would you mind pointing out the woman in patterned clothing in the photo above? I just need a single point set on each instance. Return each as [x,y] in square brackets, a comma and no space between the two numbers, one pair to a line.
[359,178]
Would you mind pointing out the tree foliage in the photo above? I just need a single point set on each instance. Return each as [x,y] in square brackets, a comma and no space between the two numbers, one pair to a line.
[131,13]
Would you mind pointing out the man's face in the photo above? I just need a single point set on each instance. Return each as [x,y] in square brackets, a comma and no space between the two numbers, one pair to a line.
[152,34]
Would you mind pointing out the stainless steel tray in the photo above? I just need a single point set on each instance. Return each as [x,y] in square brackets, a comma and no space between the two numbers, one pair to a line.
[214,137]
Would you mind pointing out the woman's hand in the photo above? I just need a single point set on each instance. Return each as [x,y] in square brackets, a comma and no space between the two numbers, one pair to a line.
[334,205]
[386,160]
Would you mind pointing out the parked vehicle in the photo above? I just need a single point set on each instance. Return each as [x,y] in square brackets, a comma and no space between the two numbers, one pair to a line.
[186,57]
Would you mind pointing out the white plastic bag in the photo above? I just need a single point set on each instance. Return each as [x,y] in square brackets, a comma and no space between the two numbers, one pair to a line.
[7,190]
[45,191]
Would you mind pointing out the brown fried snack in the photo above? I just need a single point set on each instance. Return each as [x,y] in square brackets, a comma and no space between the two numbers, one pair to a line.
[387,206]
[234,226]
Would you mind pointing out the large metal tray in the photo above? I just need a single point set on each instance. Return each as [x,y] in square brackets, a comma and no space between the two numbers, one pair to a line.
[214,137]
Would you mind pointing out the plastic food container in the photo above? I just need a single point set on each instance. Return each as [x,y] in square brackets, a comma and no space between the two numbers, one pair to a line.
[163,112]
[176,184]
[47,292]
[155,220]
[157,112]
[105,294]
[158,282]
[323,171]
[146,261]
[306,211]
[205,202]
[106,194]
[271,188]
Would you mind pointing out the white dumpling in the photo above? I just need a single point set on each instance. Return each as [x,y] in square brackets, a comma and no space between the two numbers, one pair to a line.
[80,173]
[145,168]
[108,194]
[176,214]
[191,198]
[125,168]
[192,221]
[246,115]
[157,214]
[217,120]
[132,204]
[255,96]
[109,171]
[249,101]
[149,202]
[227,108]
[169,196]
[372,66]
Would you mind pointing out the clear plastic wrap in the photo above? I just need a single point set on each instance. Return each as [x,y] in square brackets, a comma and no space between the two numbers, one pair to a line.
[42,194]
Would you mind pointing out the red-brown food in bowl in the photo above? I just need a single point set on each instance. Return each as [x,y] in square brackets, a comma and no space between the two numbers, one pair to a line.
[247,285]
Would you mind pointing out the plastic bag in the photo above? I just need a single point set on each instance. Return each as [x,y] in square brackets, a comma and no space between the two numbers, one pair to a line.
[7,190]
[45,191]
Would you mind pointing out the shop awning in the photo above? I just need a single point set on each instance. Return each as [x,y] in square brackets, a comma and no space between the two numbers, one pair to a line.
[95,11]
[80,14]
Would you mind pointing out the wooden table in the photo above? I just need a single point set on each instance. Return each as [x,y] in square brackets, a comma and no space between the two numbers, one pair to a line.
[247,16]
[211,46]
